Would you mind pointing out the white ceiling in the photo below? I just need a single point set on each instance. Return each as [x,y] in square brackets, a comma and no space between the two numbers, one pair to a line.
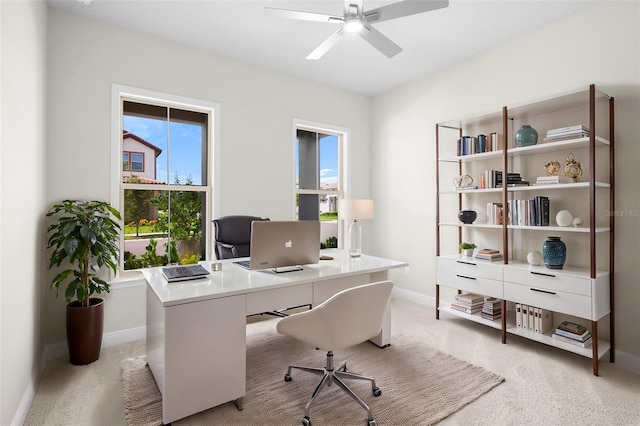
[239,29]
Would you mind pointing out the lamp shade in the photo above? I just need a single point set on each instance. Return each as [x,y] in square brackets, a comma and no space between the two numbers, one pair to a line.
[355,209]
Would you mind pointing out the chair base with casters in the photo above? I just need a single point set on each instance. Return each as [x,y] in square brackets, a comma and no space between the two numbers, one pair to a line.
[346,319]
[331,376]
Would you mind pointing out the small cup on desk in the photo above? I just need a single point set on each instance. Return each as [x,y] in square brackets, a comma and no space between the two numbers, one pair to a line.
[216,266]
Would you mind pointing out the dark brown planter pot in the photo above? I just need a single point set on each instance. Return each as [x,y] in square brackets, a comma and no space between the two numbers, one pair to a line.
[84,331]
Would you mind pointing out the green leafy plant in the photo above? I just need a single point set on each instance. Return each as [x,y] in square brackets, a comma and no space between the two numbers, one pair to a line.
[86,235]
[466,246]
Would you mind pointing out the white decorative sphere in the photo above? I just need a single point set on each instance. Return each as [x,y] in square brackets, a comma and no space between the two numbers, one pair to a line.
[564,218]
[534,258]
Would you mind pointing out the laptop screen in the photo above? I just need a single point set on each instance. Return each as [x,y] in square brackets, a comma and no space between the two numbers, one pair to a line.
[278,244]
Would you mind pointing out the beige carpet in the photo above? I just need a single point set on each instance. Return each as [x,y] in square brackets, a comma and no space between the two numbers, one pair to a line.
[419,385]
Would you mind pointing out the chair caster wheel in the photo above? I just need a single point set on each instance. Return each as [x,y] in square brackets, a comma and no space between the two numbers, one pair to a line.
[371,423]
[377,392]
[287,377]
[306,421]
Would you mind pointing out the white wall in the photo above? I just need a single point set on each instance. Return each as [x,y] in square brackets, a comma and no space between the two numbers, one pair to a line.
[257,112]
[22,169]
[600,45]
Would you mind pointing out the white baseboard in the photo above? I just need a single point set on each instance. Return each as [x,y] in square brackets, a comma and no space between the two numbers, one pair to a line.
[412,296]
[58,350]
[624,360]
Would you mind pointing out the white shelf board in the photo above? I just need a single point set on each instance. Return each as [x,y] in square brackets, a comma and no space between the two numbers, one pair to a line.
[579,230]
[539,148]
[603,345]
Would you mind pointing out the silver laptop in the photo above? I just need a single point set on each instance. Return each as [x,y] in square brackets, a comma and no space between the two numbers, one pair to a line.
[284,245]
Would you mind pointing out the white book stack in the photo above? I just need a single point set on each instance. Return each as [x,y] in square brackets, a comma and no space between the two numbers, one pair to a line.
[566,133]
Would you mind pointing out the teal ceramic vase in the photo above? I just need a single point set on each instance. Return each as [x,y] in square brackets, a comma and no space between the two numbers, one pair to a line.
[554,253]
[526,136]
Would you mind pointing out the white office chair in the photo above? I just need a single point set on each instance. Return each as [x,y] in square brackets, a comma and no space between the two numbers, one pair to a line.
[346,319]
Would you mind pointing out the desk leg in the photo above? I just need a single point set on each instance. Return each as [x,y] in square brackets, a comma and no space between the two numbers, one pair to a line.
[383,339]
[239,403]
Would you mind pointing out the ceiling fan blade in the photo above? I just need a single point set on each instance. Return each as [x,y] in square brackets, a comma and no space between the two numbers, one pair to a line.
[326,45]
[379,41]
[304,16]
[403,8]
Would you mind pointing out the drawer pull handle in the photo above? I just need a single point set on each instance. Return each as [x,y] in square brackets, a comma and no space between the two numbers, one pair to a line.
[463,276]
[543,274]
[466,263]
[542,291]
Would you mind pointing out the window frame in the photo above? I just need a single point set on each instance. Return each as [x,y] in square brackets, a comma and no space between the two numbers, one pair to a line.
[344,136]
[211,188]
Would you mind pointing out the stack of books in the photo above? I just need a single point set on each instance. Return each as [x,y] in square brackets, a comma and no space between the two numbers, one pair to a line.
[468,303]
[573,333]
[491,309]
[490,255]
[566,133]
[550,180]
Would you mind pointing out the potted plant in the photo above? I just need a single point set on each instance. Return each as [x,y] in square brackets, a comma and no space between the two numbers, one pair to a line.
[467,248]
[86,236]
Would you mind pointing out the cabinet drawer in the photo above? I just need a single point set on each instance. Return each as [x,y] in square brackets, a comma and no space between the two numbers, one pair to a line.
[470,268]
[279,298]
[557,301]
[478,285]
[549,280]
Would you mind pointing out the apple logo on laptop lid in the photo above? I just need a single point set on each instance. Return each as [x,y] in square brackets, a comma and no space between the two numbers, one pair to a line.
[288,244]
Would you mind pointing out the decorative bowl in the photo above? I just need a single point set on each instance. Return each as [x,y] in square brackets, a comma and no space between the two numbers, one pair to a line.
[467,216]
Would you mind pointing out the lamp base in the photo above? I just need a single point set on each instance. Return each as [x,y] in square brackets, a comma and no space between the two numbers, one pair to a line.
[355,239]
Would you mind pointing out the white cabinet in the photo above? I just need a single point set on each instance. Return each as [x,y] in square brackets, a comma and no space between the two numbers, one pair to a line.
[582,289]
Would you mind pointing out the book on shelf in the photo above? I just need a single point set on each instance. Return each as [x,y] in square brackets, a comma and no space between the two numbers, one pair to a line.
[525,316]
[531,320]
[518,315]
[496,141]
[465,309]
[580,337]
[572,128]
[470,298]
[491,317]
[488,257]
[466,188]
[545,318]
[491,309]
[572,327]
[584,344]
[494,213]
[549,180]
[566,137]
[488,251]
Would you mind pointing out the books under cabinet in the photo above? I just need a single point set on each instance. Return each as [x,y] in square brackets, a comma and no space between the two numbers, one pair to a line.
[471,303]
[534,319]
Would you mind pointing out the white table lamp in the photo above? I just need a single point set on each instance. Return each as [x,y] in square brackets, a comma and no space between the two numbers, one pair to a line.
[355,210]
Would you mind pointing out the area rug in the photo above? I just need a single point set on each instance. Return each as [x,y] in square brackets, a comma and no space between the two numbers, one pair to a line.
[420,385]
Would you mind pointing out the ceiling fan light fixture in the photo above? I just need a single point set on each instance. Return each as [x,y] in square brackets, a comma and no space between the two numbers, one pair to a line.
[353,24]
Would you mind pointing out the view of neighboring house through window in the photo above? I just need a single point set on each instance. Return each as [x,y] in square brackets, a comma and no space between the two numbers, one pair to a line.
[165,184]
[319,180]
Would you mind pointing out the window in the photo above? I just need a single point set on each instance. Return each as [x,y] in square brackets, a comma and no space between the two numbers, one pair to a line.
[133,161]
[319,179]
[165,180]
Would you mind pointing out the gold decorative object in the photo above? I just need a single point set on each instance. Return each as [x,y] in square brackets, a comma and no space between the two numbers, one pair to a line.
[552,168]
[572,168]
[462,181]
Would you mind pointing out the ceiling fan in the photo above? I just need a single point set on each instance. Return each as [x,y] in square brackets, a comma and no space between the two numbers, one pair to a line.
[358,21]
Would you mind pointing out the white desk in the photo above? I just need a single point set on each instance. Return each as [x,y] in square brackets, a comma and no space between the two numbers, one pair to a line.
[196,330]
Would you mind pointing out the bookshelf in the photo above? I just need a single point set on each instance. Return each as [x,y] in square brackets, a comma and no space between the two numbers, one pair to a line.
[583,290]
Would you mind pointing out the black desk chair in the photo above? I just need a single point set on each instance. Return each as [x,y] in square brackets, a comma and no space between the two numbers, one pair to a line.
[233,236]
[233,239]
